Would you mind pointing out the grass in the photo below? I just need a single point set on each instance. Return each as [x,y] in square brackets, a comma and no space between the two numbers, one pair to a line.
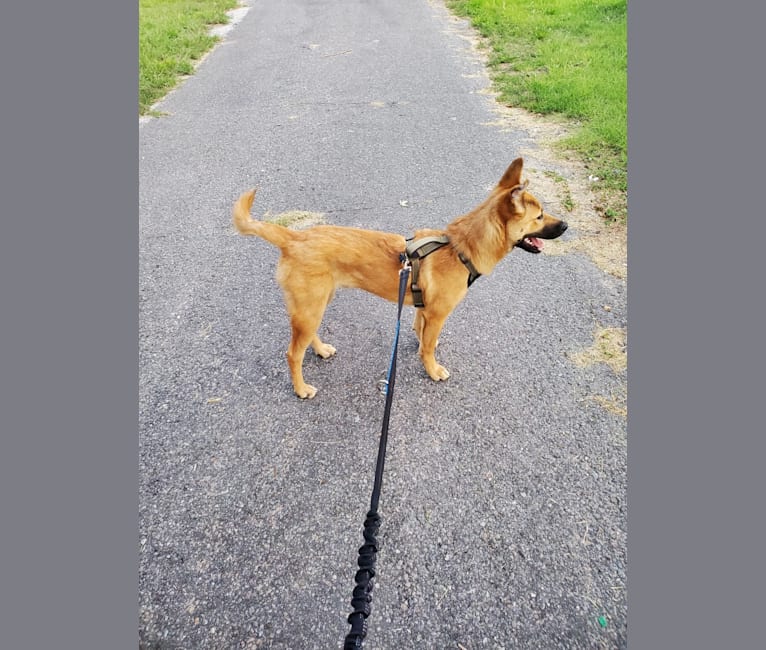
[172,37]
[566,58]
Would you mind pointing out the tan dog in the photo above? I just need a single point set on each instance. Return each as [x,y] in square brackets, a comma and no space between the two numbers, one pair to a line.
[316,261]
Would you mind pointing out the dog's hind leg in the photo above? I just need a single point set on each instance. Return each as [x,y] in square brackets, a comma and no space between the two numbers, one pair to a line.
[417,324]
[303,332]
[324,350]
[305,318]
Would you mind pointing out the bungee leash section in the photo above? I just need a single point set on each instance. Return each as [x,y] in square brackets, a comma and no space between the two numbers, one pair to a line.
[361,600]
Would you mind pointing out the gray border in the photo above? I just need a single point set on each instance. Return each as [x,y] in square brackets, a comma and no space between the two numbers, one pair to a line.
[695,511]
[68,397]
[68,273]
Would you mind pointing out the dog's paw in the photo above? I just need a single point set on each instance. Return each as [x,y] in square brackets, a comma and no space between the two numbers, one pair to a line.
[325,350]
[307,391]
[439,373]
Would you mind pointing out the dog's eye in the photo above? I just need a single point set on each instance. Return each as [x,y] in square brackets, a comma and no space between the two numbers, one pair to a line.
[540,217]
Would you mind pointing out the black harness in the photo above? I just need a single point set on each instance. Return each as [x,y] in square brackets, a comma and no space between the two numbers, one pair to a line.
[417,249]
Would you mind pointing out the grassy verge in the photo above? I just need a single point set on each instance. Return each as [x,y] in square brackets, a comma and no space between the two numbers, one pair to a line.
[172,36]
[565,58]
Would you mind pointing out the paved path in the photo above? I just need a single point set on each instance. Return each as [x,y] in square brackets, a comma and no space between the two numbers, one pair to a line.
[504,521]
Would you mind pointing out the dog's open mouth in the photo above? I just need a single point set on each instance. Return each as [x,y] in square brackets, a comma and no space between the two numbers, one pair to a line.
[531,244]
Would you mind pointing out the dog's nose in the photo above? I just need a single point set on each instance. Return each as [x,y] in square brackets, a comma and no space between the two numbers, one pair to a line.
[564,226]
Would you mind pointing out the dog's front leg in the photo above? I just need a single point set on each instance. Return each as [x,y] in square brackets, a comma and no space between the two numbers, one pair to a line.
[417,326]
[430,327]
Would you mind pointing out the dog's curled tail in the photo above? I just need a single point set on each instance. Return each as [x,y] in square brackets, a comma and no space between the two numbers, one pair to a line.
[246,225]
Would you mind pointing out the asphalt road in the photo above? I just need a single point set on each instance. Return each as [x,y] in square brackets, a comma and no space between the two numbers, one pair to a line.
[504,506]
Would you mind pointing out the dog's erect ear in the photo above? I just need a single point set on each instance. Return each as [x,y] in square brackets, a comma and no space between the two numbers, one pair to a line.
[512,175]
[515,196]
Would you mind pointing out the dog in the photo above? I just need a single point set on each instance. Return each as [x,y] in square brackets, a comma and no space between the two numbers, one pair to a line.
[316,261]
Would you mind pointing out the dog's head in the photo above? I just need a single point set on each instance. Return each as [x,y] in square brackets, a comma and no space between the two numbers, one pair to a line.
[526,223]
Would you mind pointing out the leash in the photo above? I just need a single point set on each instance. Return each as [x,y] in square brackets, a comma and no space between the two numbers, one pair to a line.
[361,600]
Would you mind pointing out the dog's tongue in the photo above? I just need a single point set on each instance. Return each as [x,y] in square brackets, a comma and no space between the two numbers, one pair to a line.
[535,242]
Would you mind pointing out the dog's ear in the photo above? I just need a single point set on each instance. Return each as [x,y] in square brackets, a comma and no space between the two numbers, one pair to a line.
[514,196]
[512,175]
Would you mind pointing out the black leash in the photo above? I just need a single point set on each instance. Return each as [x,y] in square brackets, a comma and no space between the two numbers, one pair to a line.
[361,600]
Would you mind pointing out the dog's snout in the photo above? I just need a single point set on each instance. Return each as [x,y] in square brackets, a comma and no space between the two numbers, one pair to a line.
[564,225]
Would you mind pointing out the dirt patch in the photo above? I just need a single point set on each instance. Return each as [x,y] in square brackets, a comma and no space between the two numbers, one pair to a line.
[617,405]
[609,347]
[296,219]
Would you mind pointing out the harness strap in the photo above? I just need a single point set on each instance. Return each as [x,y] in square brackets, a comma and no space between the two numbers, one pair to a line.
[417,249]
[473,274]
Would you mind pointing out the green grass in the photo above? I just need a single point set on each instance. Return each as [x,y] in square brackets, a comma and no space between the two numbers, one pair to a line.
[566,58]
[172,36]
